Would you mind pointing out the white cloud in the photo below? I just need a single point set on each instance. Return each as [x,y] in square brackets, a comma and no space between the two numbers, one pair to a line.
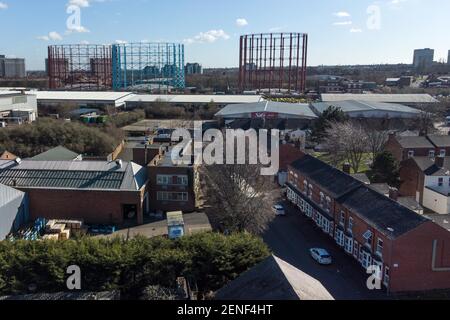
[54,36]
[79,3]
[356,30]
[208,37]
[342,14]
[397,1]
[241,22]
[78,29]
[343,23]
[3,6]
[121,42]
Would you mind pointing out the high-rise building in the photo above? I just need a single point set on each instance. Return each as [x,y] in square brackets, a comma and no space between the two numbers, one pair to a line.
[448,58]
[194,68]
[423,58]
[12,67]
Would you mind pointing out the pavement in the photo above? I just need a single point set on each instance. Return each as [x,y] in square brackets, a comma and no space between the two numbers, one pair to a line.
[291,237]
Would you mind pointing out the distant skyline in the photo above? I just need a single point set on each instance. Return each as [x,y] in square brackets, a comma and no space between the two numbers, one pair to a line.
[341,32]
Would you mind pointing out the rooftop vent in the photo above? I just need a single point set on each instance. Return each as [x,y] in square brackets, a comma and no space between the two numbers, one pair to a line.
[119,163]
[18,160]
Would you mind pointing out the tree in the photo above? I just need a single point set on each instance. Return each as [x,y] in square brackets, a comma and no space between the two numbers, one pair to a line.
[329,116]
[237,197]
[349,140]
[376,140]
[385,169]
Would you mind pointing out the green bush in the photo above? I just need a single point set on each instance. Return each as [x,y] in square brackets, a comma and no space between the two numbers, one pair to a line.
[209,259]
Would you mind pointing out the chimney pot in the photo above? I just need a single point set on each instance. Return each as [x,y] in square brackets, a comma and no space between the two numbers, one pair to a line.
[439,161]
[346,168]
[393,194]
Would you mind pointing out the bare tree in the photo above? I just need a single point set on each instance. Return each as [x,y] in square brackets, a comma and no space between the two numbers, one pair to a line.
[237,197]
[376,140]
[349,140]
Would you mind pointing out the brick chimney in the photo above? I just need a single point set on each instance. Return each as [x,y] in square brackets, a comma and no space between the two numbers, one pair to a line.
[346,167]
[439,161]
[393,194]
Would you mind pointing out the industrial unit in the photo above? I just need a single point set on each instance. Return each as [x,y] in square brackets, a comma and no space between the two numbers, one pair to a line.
[134,66]
[17,107]
[273,62]
[13,210]
[406,99]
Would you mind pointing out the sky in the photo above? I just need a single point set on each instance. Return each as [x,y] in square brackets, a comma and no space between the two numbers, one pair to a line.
[340,31]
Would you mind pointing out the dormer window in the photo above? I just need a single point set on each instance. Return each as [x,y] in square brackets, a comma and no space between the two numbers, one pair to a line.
[410,153]
[441,182]
[442,153]
[431,154]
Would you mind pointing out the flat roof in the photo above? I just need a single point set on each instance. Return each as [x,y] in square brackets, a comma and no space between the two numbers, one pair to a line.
[83,96]
[221,99]
[373,97]
[351,106]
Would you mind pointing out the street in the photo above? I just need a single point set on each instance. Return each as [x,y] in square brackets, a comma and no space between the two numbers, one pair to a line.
[291,237]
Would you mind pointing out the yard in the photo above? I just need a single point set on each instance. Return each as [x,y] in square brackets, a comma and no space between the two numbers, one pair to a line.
[365,163]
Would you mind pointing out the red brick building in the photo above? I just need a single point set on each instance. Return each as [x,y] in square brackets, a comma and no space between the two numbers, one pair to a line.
[411,252]
[404,148]
[97,192]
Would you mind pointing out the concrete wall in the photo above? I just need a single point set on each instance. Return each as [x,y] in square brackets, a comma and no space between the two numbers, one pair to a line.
[435,201]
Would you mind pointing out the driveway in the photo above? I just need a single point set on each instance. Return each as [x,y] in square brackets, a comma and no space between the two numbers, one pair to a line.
[291,237]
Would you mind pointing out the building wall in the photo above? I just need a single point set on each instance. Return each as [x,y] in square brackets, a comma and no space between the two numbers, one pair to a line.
[435,201]
[13,102]
[94,207]
[12,68]
[412,253]
[13,215]
[412,181]
[154,188]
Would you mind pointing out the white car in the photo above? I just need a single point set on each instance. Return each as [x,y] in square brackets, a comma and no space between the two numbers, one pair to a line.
[279,210]
[321,256]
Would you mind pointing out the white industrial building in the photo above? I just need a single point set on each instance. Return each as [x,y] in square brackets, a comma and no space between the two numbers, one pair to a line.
[83,98]
[13,210]
[369,110]
[406,99]
[17,107]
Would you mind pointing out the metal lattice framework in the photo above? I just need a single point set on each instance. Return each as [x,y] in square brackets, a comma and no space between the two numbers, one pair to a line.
[273,62]
[80,67]
[148,66]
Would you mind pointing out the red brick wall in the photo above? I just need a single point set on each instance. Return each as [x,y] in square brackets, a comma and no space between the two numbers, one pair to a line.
[95,207]
[413,254]
[412,180]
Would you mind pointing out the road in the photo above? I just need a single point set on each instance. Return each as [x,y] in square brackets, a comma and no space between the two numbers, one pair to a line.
[291,237]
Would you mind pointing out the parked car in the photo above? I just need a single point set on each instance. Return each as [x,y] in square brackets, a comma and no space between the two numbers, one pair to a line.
[279,210]
[321,256]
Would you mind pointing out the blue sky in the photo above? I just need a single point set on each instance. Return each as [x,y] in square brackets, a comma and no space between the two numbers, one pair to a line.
[340,31]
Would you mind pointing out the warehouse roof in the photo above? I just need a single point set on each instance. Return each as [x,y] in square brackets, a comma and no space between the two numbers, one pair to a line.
[372,97]
[274,279]
[118,98]
[95,175]
[297,110]
[221,99]
[353,106]
[56,154]
[8,194]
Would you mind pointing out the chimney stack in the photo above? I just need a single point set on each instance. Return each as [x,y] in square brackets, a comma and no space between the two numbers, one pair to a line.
[346,168]
[439,161]
[393,194]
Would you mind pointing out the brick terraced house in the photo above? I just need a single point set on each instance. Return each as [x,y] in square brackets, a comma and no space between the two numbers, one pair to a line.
[411,251]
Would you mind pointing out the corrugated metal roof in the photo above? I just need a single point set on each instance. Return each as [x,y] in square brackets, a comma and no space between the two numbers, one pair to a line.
[83,95]
[393,98]
[351,106]
[289,109]
[75,175]
[222,99]
[59,154]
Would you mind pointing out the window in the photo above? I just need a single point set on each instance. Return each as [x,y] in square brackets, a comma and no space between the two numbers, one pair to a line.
[310,191]
[168,180]
[328,204]
[350,225]
[368,236]
[172,196]
[342,219]
[20,99]
[431,154]
[442,153]
[366,259]
[348,245]
[379,250]
[441,182]
[386,276]
[322,199]
[305,187]
[339,237]
[355,249]
[410,153]
[326,225]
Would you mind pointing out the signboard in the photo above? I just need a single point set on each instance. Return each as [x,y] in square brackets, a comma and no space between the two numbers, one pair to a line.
[264,115]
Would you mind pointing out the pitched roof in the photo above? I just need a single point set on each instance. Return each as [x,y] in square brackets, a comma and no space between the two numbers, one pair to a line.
[375,97]
[274,279]
[8,156]
[440,141]
[353,106]
[56,154]
[87,175]
[409,142]
[334,181]
[386,215]
[298,110]
[8,194]
[430,168]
